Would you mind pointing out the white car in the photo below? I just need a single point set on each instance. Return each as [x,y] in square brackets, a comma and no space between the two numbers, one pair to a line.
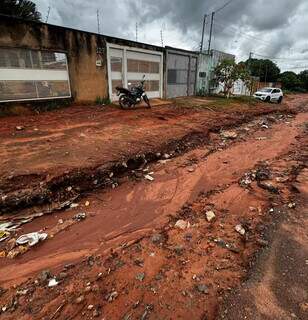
[269,95]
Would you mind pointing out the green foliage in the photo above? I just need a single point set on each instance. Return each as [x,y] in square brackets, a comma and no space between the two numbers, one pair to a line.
[291,81]
[227,72]
[102,101]
[303,77]
[266,69]
[25,9]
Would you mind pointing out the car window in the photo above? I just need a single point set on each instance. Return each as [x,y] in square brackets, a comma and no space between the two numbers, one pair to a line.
[266,90]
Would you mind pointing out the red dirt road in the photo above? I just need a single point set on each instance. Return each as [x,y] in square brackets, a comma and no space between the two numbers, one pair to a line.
[185,273]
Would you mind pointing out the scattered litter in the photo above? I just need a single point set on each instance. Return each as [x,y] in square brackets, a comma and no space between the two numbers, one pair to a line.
[292,205]
[166,156]
[17,251]
[261,138]
[111,296]
[9,226]
[224,244]
[191,170]
[140,276]
[69,189]
[262,173]
[90,307]
[157,238]
[52,283]
[148,177]
[210,215]
[229,134]
[268,186]
[182,224]
[247,179]
[74,205]
[202,288]
[19,128]
[4,235]
[60,221]
[87,203]
[239,228]
[163,161]
[31,238]
[80,216]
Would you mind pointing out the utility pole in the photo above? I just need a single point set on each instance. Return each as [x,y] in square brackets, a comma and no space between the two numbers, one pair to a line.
[250,72]
[47,16]
[203,30]
[98,26]
[211,31]
[161,37]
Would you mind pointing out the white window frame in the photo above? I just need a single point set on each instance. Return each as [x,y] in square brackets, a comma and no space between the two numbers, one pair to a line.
[22,74]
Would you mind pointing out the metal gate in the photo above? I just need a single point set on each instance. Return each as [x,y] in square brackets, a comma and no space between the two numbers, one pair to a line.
[181,73]
[127,65]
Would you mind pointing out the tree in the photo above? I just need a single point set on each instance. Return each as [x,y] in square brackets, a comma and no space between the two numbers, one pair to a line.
[227,72]
[266,69]
[290,81]
[20,8]
[303,77]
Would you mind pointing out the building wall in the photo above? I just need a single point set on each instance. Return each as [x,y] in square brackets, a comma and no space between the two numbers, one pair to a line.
[83,49]
[87,80]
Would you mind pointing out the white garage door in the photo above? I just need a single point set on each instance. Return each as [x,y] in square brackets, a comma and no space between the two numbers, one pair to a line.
[127,65]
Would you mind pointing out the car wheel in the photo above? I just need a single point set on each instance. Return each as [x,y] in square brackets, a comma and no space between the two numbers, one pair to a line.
[280,100]
[268,99]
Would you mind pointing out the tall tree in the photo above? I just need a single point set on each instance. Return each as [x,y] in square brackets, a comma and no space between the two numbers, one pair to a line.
[303,76]
[25,9]
[290,81]
[266,69]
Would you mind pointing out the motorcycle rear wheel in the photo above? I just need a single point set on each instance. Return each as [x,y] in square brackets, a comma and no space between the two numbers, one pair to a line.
[124,102]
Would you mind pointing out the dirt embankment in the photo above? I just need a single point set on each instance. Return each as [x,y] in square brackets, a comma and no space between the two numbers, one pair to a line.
[79,149]
[169,248]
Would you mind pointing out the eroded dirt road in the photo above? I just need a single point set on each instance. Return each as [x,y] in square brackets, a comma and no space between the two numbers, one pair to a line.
[128,260]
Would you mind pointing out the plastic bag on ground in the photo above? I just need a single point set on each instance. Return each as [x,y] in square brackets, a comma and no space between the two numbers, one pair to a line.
[31,238]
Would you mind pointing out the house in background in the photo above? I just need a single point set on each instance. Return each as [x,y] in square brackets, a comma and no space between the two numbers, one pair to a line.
[39,61]
[206,67]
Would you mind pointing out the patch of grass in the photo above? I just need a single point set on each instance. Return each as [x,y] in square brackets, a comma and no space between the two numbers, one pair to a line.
[102,101]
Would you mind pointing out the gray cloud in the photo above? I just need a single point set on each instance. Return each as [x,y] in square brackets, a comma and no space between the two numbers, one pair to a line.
[271,28]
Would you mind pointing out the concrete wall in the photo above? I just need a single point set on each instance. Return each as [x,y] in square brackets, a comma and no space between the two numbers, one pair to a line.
[83,49]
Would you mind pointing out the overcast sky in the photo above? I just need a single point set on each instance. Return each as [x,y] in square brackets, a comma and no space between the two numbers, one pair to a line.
[273,28]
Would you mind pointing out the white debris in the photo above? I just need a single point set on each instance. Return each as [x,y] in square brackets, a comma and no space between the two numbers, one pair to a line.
[182,224]
[292,205]
[148,177]
[239,228]
[74,205]
[31,238]
[229,134]
[52,283]
[210,215]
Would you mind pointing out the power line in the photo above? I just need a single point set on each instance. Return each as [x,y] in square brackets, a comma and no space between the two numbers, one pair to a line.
[274,58]
[221,8]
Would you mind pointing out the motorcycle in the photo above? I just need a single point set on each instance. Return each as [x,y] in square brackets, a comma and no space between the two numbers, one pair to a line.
[129,98]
